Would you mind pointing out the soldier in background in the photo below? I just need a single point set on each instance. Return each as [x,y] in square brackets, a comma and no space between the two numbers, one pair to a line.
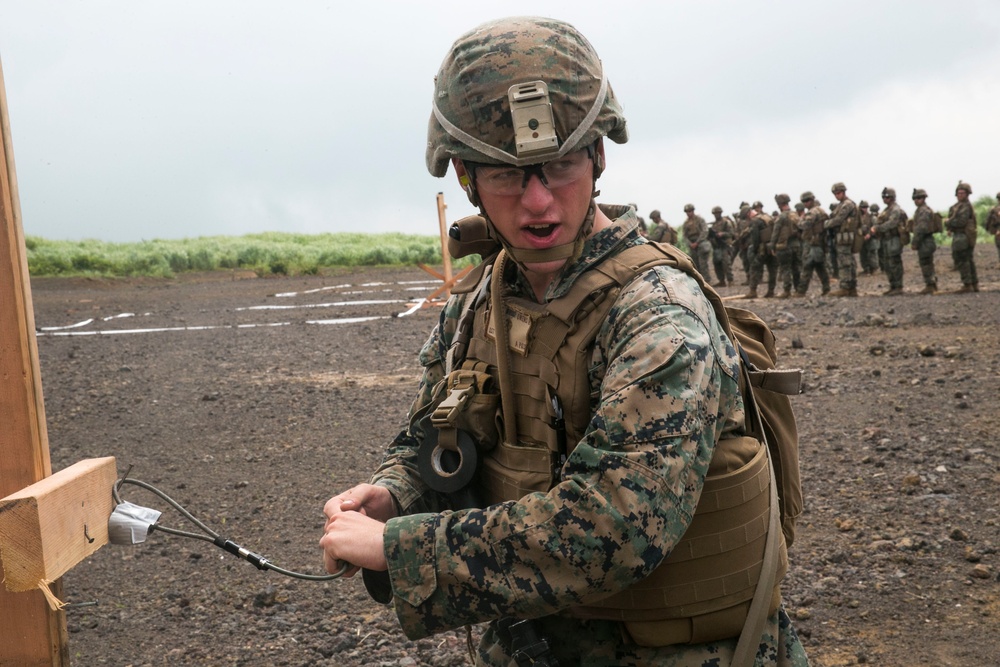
[813,239]
[830,248]
[785,246]
[843,229]
[722,233]
[890,227]
[926,223]
[643,231]
[760,253]
[993,224]
[695,231]
[962,227]
[875,244]
[868,257]
[662,232]
[743,240]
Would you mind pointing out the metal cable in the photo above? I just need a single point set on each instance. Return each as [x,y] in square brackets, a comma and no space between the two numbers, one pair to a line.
[210,535]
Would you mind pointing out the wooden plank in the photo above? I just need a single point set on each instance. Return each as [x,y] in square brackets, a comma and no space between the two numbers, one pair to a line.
[33,634]
[50,526]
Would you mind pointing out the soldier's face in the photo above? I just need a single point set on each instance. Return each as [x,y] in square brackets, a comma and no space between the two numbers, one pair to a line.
[540,217]
[961,195]
[839,195]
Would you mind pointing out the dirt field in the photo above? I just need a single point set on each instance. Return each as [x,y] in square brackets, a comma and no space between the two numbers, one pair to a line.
[252,427]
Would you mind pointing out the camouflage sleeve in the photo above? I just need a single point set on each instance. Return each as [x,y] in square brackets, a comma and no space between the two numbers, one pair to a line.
[843,213]
[667,388]
[993,221]
[889,220]
[922,218]
[960,215]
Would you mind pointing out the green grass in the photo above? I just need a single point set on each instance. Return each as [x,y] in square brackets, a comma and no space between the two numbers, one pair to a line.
[266,253]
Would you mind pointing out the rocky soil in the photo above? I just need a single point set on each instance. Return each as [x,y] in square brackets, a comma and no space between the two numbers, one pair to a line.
[253,426]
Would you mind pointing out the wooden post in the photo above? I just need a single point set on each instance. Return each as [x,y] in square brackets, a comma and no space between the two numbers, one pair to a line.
[443,224]
[33,634]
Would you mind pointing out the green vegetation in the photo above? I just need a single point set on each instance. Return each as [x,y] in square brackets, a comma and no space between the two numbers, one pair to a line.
[266,253]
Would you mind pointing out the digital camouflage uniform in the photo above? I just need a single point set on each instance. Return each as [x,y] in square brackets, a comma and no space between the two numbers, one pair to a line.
[813,259]
[891,223]
[961,224]
[743,243]
[722,233]
[695,232]
[992,224]
[662,232]
[842,227]
[868,257]
[659,379]
[761,255]
[922,241]
[663,378]
[787,249]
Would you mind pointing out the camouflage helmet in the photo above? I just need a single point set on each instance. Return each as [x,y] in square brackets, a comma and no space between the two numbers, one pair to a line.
[745,210]
[688,207]
[962,185]
[655,214]
[889,192]
[862,204]
[551,73]
[759,205]
[799,206]
[807,196]
[838,187]
[874,208]
[782,199]
[716,209]
[919,193]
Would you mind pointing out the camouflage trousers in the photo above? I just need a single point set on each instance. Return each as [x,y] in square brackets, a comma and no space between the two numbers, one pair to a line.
[847,268]
[759,262]
[925,248]
[996,240]
[891,258]
[702,258]
[745,261]
[869,255]
[789,263]
[832,267]
[961,254]
[722,258]
[813,259]
[600,644]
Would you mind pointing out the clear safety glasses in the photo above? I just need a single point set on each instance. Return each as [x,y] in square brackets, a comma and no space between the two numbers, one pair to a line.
[505,181]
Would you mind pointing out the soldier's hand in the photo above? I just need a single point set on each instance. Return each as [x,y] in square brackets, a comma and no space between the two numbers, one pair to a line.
[355,520]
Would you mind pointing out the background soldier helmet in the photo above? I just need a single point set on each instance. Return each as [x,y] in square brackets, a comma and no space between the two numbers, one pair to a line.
[759,205]
[998,196]
[874,208]
[838,187]
[806,196]
[800,207]
[655,214]
[688,207]
[471,117]
[782,199]
[716,209]
[862,204]
[889,192]
[919,193]
[963,186]
[744,210]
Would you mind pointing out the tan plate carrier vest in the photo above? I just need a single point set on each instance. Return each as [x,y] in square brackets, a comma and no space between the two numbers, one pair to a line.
[702,591]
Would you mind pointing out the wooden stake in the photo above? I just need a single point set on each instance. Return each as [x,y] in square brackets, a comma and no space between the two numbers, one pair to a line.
[33,633]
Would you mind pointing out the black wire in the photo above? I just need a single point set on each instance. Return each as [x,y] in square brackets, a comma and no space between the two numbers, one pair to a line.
[211,536]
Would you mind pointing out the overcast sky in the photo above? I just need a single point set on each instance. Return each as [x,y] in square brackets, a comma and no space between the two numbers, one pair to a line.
[141,120]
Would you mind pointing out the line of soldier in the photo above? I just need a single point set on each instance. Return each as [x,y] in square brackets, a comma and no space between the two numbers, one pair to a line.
[793,244]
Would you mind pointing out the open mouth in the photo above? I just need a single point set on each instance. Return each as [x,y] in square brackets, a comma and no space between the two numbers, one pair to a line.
[541,231]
